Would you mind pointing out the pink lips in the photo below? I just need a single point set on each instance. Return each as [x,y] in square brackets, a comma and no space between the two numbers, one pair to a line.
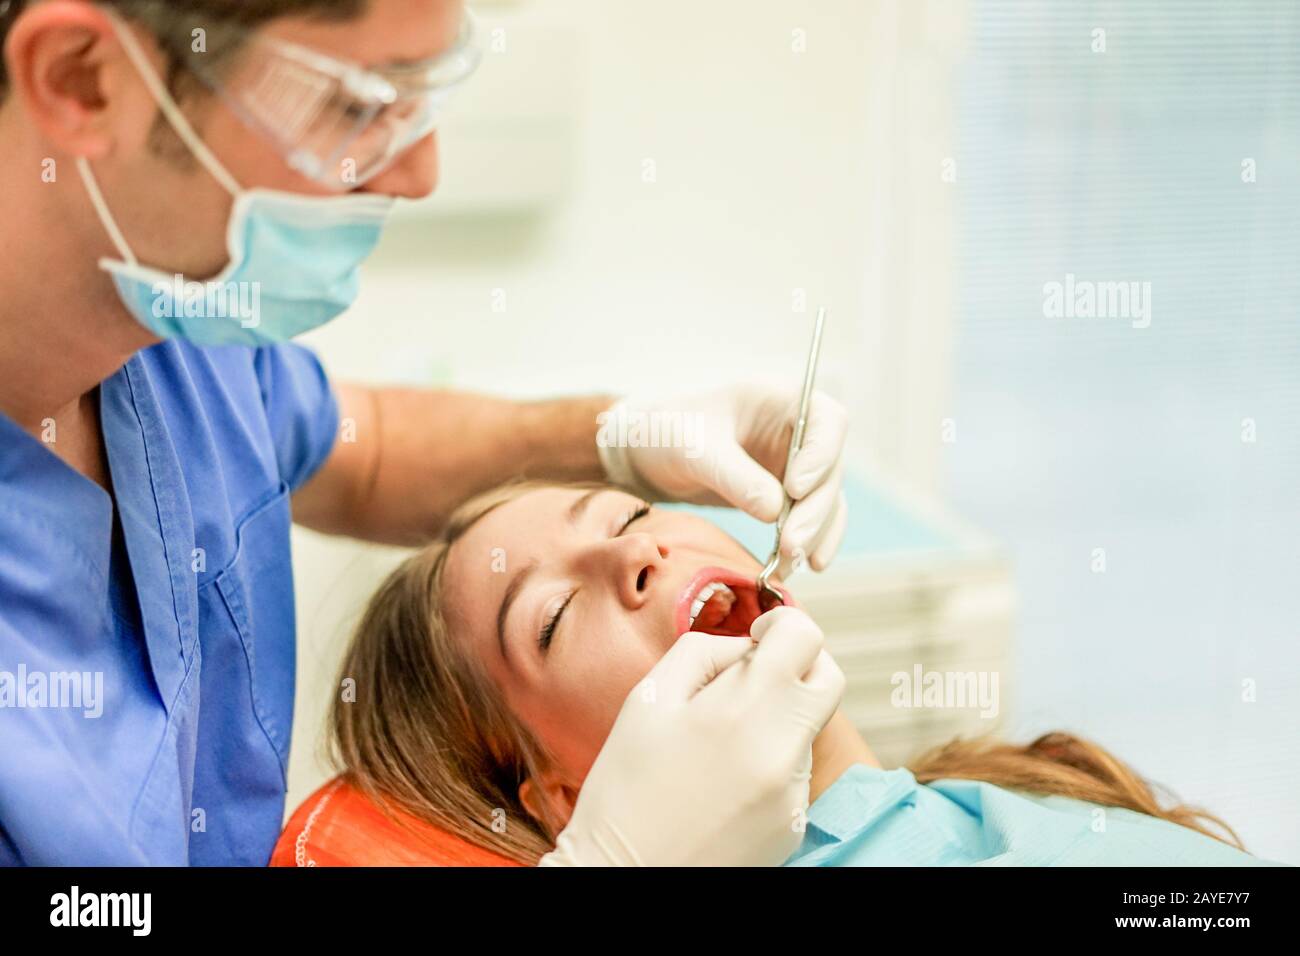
[737,582]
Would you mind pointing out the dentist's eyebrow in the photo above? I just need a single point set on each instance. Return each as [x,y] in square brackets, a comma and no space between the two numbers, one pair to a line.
[512,591]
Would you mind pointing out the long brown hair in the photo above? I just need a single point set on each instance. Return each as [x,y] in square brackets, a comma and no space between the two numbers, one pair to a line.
[1060,764]
[425,730]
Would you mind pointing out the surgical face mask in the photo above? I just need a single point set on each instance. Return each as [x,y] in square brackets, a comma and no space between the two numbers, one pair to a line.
[293,263]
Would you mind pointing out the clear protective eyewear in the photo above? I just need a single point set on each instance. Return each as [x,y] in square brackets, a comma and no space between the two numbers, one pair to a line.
[337,122]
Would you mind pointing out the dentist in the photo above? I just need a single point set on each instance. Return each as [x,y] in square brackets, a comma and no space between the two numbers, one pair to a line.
[186,186]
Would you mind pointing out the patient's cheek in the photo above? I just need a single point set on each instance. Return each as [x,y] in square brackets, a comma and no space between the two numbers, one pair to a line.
[596,699]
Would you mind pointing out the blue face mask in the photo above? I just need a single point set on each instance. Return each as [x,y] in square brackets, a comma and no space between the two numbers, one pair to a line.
[294,259]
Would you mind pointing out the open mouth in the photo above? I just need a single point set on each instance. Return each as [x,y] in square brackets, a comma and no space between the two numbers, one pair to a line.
[719,601]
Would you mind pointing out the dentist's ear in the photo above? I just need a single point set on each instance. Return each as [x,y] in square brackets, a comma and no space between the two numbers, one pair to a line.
[549,800]
[69,75]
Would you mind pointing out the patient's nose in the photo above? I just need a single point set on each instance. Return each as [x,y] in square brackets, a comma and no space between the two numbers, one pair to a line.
[631,563]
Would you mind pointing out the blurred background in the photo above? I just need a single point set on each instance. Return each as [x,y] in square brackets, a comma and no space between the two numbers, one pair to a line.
[1104,515]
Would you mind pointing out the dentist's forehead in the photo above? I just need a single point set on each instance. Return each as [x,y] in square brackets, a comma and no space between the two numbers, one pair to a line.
[385,33]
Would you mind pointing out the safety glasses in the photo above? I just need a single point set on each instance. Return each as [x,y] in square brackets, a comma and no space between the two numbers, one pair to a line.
[337,122]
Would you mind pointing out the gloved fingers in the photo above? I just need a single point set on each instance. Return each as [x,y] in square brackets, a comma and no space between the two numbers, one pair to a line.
[823,551]
[742,482]
[803,775]
[788,644]
[823,446]
[810,518]
[825,684]
[692,662]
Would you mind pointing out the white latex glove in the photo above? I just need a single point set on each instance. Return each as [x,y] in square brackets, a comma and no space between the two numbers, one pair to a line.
[709,760]
[728,447]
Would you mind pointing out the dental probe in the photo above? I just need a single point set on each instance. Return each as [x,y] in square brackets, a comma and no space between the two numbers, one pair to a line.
[768,596]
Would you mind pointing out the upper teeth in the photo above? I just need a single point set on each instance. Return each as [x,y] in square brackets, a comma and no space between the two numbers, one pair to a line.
[701,599]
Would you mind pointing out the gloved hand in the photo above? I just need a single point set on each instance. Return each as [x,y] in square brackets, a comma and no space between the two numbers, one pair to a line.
[728,447]
[709,760]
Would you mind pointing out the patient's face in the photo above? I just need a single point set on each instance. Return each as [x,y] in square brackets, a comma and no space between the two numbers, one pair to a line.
[623,580]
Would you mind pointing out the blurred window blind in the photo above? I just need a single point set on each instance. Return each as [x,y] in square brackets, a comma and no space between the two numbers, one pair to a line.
[1147,479]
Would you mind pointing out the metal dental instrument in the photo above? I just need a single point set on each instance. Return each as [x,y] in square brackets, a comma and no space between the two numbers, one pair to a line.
[768,596]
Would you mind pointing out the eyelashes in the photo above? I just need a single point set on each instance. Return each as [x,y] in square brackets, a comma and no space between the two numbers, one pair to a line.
[547,634]
[641,511]
[548,629]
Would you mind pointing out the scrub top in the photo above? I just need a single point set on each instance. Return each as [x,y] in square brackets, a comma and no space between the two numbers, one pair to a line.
[147,649]
[873,817]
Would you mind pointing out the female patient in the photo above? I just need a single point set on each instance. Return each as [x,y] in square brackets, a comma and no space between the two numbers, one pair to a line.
[490,666]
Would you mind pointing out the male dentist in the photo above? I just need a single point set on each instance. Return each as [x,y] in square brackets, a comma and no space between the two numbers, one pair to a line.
[187,185]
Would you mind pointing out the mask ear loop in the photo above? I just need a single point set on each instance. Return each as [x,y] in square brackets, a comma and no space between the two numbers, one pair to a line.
[169,109]
[105,215]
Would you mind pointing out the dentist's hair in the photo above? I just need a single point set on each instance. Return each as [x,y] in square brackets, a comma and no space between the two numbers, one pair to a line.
[172,22]
[427,732]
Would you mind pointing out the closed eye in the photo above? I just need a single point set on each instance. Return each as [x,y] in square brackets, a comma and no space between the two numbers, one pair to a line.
[548,629]
[637,515]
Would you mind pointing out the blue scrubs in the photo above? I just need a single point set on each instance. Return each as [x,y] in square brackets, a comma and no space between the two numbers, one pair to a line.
[180,600]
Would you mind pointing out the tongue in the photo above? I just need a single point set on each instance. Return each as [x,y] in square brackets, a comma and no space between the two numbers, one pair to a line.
[730,614]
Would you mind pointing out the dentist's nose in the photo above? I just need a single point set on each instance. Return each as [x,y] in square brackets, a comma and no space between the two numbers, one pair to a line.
[413,176]
[631,563]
